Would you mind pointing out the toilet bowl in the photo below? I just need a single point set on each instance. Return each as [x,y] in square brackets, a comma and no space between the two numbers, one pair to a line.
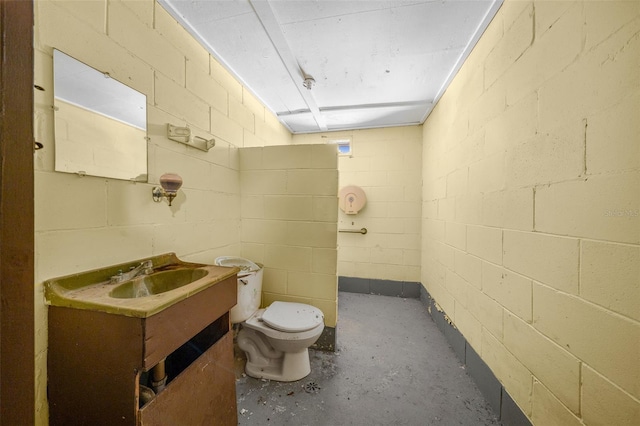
[277,354]
[275,340]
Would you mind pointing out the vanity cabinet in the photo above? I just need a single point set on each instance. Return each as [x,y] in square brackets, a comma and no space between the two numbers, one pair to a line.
[96,361]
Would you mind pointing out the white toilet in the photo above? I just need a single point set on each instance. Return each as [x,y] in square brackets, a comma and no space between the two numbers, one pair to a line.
[276,340]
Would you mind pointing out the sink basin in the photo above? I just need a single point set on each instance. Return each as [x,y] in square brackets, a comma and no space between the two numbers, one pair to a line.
[160,282]
[173,281]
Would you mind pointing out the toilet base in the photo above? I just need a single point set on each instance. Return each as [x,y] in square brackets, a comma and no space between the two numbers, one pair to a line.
[264,362]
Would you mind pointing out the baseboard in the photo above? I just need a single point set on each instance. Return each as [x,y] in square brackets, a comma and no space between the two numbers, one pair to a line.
[407,289]
[494,393]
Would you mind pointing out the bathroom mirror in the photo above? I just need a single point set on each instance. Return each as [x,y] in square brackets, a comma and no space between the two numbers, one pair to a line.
[100,123]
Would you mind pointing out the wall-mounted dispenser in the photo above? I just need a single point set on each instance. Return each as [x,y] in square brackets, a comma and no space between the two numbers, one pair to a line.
[183,135]
[351,199]
[169,185]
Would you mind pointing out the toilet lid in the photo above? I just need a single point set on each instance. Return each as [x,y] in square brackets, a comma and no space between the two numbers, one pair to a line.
[292,317]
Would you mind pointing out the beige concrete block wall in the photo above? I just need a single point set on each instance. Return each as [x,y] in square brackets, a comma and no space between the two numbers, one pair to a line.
[86,222]
[531,169]
[386,164]
[289,222]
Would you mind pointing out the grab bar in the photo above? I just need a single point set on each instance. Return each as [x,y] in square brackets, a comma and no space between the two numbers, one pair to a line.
[354,231]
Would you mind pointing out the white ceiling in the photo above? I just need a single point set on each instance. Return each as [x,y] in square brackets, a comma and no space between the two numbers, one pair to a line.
[376,63]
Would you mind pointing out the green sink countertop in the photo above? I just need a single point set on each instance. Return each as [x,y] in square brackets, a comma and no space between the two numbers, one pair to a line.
[91,290]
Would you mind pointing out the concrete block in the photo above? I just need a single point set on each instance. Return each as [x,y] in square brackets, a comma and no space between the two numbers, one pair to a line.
[252,206]
[253,104]
[469,208]
[411,257]
[456,235]
[589,333]
[457,287]
[201,84]
[272,182]
[468,267]
[324,260]
[387,256]
[284,207]
[518,37]
[447,208]
[511,209]
[488,312]
[117,245]
[250,140]
[325,209]
[485,243]
[571,94]
[125,28]
[487,175]
[251,158]
[490,104]
[553,50]
[263,231]
[241,114]
[509,289]
[323,157]
[603,20]
[609,276]
[551,260]
[548,13]
[469,326]
[224,77]
[553,156]
[604,403]
[176,100]
[93,13]
[311,234]
[612,137]
[509,370]
[444,254]
[314,182]
[289,257]
[602,207]
[552,365]
[91,47]
[225,128]
[177,36]
[548,410]
[515,125]
[274,281]
[391,161]
[224,180]
[306,284]
[404,209]
[67,201]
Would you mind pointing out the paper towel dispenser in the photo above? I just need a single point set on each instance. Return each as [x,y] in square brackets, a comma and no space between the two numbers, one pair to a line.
[351,199]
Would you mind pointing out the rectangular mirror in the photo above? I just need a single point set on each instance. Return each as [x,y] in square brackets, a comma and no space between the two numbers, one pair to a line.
[100,123]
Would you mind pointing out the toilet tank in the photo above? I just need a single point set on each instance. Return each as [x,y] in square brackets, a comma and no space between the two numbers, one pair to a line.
[249,287]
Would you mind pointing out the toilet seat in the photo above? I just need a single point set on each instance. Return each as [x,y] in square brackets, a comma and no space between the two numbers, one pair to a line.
[292,317]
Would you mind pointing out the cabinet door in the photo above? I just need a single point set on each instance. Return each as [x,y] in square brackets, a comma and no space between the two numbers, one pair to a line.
[203,394]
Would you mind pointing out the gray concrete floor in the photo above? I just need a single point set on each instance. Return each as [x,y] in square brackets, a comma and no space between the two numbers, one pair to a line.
[392,367]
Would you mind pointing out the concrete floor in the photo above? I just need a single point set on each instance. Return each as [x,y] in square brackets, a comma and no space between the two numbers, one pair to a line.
[392,367]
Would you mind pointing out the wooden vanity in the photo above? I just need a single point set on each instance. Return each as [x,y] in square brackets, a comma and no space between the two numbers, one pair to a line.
[97,361]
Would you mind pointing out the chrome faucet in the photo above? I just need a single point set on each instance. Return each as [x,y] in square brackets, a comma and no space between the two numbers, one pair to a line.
[144,268]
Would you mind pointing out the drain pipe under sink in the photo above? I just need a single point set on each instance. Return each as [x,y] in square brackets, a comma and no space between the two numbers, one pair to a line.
[158,377]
